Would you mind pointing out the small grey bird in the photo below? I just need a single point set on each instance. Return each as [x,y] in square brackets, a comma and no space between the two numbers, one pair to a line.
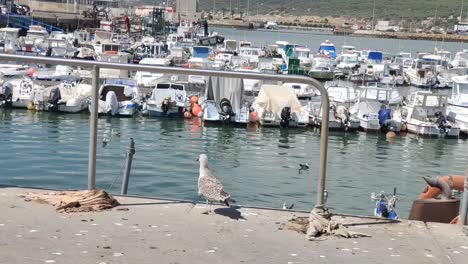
[286,207]
[303,166]
[209,186]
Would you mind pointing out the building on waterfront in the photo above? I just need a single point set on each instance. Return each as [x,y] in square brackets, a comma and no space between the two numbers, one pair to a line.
[383,25]
[187,10]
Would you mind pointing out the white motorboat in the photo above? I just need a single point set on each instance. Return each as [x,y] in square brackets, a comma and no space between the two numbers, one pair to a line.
[460,60]
[373,109]
[393,74]
[347,63]
[341,99]
[150,79]
[278,106]
[167,100]
[303,54]
[425,115]
[322,68]
[457,108]
[70,96]
[223,101]
[118,97]
[424,72]
[303,91]
[271,25]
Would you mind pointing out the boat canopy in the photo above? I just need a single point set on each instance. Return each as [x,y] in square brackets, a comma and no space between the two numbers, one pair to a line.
[226,88]
[432,57]
[274,98]
[201,52]
[375,56]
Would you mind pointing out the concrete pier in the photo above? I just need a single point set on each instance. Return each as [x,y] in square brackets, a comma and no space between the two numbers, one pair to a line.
[144,230]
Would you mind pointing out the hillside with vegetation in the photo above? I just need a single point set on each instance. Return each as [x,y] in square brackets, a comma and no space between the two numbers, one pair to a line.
[384,9]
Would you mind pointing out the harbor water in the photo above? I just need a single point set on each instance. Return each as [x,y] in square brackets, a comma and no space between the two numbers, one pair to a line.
[259,166]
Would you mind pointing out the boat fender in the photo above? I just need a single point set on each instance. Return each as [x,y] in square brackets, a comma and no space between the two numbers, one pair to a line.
[194,100]
[196,109]
[187,115]
[253,117]
[442,184]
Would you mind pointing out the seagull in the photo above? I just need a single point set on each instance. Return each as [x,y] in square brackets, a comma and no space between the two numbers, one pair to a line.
[115,133]
[209,186]
[286,207]
[303,166]
[104,142]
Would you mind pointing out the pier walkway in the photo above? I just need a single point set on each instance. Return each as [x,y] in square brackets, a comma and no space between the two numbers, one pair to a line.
[144,230]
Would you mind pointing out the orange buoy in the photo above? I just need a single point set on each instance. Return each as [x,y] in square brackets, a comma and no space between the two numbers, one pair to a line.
[253,117]
[187,114]
[196,109]
[390,135]
[31,72]
[194,99]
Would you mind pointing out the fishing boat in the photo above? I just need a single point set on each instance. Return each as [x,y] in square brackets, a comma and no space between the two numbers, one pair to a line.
[457,108]
[425,115]
[393,74]
[118,97]
[224,103]
[342,97]
[370,70]
[424,72]
[322,68]
[327,49]
[278,106]
[373,109]
[167,100]
[303,54]
[24,92]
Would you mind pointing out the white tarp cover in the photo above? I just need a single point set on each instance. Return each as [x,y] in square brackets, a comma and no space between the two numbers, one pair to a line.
[274,98]
[229,88]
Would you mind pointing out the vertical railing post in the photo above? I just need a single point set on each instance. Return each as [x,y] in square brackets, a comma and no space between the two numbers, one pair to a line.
[93,120]
[128,166]
[320,203]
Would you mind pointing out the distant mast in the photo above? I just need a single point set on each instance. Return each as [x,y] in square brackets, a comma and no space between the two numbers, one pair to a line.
[461,10]
[373,17]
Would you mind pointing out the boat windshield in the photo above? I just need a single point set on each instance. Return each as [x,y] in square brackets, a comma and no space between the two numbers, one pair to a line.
[350,59]
[302,54]
[250,52]
[433,101]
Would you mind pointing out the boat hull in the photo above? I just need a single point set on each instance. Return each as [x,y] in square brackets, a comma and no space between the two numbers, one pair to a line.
[322,75]
[431,130]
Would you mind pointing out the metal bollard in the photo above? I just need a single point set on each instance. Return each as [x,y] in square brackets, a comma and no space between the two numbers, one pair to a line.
[464,202]
[128,166]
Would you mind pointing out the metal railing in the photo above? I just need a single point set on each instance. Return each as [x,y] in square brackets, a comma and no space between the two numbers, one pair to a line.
[95,66]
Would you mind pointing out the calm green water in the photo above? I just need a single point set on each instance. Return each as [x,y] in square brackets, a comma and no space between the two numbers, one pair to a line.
[259,166]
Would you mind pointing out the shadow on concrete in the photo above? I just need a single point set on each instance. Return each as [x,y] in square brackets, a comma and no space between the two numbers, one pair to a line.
[155,203]
[231,212]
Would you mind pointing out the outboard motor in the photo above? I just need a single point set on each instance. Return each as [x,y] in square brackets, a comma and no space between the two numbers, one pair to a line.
[340,112]
[112,104]
[443,123]
[54,98]
[166,105]
[385,118]
[6,94]
[226,109]
[285,117]
[433,82]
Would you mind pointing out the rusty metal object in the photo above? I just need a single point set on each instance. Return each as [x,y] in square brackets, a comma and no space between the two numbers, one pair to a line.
[432,210]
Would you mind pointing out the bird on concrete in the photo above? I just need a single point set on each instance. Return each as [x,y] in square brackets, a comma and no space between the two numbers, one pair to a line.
[209,186]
